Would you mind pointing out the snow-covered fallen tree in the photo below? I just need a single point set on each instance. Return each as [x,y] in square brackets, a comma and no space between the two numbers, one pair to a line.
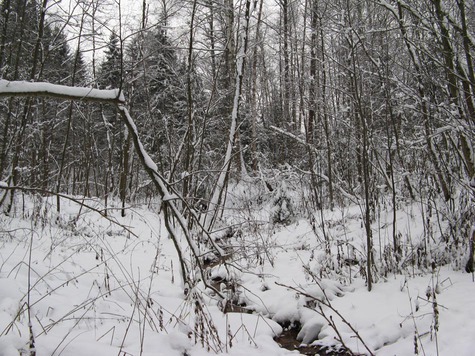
[171,211]
[24,88]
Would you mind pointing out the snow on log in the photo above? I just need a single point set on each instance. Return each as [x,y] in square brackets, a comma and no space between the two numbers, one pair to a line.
[23,88]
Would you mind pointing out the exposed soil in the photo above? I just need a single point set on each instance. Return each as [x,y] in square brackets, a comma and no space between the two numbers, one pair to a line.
[288,340]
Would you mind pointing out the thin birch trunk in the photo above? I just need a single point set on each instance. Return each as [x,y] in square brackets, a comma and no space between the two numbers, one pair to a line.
[217,196]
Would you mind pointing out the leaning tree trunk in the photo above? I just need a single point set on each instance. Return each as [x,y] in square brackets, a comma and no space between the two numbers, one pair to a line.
[168,195]
[217,197]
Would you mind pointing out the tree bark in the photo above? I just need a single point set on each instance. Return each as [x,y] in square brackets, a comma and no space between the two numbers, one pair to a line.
[220,186]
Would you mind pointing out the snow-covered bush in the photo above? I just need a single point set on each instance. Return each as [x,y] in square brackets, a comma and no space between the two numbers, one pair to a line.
[282,209]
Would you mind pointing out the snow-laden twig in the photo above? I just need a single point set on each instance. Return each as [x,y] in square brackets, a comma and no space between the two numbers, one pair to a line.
[297,139]
[74,200]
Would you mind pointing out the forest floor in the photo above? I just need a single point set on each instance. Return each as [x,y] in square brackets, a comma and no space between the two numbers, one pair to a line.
[87,285]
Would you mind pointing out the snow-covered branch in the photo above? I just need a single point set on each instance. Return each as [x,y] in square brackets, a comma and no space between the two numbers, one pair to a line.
[168,198]
[295,138]
[23,88]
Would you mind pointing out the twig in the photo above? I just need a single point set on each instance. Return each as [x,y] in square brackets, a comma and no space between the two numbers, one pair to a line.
[64,196]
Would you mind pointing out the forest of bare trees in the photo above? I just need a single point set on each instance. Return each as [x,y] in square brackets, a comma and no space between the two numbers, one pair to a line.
[367,103]
[360,98]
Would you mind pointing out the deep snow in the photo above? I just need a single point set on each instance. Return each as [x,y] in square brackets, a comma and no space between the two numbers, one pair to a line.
[108,287]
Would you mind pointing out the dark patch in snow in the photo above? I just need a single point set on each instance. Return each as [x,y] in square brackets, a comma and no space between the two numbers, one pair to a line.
[288,340]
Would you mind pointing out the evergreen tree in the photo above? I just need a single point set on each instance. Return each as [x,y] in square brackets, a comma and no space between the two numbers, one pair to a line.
[110,69]
[109,132]
[157,89]
[57,62]
[56,67]
[19,23]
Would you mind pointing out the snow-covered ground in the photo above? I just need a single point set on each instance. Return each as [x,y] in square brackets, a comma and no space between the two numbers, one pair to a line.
[88,285]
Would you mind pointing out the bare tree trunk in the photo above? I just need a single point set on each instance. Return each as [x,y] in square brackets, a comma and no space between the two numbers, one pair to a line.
[209,3]
[425,111]
[469,91]
[220,186]
[362,142]
[27,107]
[286,58]
[312,91]
[6,15]
[70,119]
[255,161]
[326,124]
[365,166]
[189,138]
[125,171]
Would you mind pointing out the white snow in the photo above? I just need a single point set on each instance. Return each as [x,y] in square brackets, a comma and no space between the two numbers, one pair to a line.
[95,290]
[170,197]
[42,88]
